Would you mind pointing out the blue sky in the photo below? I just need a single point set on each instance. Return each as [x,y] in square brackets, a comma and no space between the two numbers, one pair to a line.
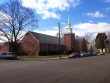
[86,16]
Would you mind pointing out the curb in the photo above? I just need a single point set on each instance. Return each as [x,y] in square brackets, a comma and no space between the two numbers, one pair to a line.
[43,59]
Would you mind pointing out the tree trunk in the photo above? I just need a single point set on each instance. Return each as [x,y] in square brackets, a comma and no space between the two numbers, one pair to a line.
[13,46]
[102,49]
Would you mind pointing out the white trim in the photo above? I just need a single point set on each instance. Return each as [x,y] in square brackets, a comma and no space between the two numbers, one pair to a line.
[33,36]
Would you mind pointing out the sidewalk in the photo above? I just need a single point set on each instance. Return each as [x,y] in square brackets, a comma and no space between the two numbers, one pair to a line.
[27,59]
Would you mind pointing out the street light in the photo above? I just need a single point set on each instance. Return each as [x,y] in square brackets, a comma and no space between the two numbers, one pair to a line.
[59,38]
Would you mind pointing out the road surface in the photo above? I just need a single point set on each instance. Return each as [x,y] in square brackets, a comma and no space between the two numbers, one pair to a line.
[95,69]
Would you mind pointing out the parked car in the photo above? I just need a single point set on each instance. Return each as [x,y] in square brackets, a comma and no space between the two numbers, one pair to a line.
[83,54]
[94,53]
[89,54]
[2,55]
[102,53]
[74,55]
[10,55]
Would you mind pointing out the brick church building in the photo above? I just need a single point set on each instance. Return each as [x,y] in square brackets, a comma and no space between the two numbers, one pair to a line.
[34,42]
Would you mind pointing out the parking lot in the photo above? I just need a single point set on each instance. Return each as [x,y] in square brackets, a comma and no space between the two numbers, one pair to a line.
[94,69]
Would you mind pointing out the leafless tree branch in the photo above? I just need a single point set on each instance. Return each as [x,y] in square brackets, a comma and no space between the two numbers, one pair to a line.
[14,19]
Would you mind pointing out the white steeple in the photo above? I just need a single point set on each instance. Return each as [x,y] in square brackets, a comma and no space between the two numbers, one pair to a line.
[68,20]
[69,29]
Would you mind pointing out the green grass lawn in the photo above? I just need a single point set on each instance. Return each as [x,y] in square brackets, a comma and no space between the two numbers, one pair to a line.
[41,57]
[107,53]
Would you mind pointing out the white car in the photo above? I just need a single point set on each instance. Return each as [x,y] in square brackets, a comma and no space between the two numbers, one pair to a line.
[83,54]
[102,53]
[10,55]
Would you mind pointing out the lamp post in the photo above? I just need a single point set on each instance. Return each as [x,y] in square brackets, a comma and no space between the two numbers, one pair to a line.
[59,38]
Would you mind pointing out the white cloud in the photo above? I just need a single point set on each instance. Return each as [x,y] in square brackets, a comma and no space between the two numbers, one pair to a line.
[47,14]
[107,9]
[82,28]
[89,27]
[107,0]
[96,14]
[2,16]
[79,33]
[90,21]
[48,8]
[52,32]
[4,19]
[48,32]
[76,3]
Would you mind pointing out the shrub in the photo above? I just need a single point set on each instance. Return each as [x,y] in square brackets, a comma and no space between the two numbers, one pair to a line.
[21,53]
[42,53]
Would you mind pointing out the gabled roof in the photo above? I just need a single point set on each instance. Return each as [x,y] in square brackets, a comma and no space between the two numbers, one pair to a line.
[79,39]
[42,38]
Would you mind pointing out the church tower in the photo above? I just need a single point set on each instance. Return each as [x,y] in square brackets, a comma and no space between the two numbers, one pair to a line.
[69,37]
[69,29]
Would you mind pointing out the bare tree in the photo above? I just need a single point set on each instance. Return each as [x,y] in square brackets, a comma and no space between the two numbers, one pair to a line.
[107,42]
[14,18]
[61,33]
[90,39]
[88,36]
[108,36]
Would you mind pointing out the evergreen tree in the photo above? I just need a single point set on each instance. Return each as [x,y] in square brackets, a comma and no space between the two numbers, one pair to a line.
[100,41]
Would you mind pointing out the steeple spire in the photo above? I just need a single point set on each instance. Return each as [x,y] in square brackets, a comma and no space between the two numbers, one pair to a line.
[69,25]
[68,20]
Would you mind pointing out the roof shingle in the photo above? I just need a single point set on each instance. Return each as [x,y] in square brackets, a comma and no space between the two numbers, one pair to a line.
[42,38]
[79,39]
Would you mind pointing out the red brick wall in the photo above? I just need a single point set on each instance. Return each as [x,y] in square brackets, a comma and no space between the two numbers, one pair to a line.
[77,46]
[84,46]
[81,46]
[30,45]
[69,41]
[5,48]
[48,47]
[29,41]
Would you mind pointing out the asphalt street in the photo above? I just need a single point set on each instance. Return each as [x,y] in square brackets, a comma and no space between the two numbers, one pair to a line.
[95,69]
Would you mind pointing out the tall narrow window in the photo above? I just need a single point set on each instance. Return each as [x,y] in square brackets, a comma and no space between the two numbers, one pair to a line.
[33,47]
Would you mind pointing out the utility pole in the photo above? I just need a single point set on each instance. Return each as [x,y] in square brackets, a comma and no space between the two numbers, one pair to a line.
[59,40]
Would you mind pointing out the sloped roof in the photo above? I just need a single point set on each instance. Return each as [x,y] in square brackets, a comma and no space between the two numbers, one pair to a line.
[42,38]
[79,39]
